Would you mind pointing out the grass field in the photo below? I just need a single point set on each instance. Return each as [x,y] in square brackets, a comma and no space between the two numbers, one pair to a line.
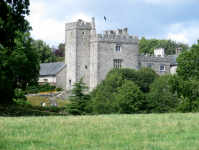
[150,131]
[36,101]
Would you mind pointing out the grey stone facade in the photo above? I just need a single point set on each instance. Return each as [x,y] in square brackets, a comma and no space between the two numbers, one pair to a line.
[61,78]
[92,55]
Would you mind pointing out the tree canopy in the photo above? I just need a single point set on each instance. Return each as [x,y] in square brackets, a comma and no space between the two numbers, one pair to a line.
[148,46]
[19,63]
[186,82]
[12,14]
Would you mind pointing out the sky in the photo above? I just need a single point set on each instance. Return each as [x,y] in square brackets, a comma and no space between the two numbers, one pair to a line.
[154,19]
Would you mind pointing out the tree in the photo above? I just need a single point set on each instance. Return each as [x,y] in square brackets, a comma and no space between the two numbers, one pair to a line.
[128,98]
[19,66]
[145,76]
[59,52]
[186,82]
[12,14]
[80,102]
[104,94]
[44,51]
[148,46]
[160,99]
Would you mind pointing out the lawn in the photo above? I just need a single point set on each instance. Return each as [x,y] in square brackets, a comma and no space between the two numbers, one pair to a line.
[150,131]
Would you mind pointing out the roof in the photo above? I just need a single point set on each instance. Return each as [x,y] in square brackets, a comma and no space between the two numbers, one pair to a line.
[174,63]
[51,68]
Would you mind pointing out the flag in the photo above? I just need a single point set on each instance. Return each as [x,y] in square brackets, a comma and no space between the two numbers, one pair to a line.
[105,18]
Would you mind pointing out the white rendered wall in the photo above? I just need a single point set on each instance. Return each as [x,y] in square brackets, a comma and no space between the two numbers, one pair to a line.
[173,69]
[159,51]
[51,79]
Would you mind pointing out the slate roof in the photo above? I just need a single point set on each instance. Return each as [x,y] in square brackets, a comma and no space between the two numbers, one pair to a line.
[51,68]
[174,63]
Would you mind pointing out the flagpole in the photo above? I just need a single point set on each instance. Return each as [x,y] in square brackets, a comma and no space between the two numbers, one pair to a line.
[103,24]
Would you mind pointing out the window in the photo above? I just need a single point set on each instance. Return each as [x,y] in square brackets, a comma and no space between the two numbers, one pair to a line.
[118,47]
[45,80]
[150,65]
[139,66]
[82,33]
[86,67]
[69,84]
[93,47]
[117,63]
[162,68]
[93,65]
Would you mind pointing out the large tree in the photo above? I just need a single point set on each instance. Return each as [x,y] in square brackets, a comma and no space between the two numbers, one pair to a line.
[148,45]
[160,99]
[186,82]
[19,62]
[44,51]
[12,14]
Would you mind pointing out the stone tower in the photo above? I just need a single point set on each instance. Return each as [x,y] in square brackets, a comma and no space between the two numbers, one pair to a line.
[77,52]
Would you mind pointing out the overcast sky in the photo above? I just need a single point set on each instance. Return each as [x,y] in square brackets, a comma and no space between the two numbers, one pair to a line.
[158,19]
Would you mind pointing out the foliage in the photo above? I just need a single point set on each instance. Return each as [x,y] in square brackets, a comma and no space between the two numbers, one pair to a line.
[44,51]
[19,66]
[17,111]
[186,82]
[41,88]
[12,14]
[128,98]
[59,51]
[145,76]
[79,101]
[50,108]
[160,99]
[148,46]
[58,89]
[105,94]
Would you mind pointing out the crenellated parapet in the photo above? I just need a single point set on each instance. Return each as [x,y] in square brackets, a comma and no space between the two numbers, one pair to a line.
[115,38]
[78,25]
[153,58]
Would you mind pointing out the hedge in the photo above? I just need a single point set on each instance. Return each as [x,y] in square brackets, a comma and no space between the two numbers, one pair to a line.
[16,111]
[50,108]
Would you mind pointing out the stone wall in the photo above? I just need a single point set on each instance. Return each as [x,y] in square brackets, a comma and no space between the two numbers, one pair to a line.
[156,62]
[77,52]
[61,78]
[103,52]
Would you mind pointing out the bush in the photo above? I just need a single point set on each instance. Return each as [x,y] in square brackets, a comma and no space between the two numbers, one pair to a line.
[50,108]
[129,98]
[17,111]
[58,89]
[80,102]
[160,99]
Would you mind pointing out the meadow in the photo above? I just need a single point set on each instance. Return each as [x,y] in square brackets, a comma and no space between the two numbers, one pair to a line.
[136,131]
[36,101]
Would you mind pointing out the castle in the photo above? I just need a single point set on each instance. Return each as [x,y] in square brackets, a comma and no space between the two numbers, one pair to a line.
[92,55]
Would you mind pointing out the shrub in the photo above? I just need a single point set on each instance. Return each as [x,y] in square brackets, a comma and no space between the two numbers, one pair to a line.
[128,98]
[50,108]
[58,89]
[160,99]
[79,101]
[17,111]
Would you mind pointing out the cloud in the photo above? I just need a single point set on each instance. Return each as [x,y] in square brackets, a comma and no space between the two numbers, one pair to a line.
[187,32]
[81,16]
[48,28]
[181,37]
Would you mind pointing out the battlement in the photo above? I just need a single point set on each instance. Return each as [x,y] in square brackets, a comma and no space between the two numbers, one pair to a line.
[153,57]
[115,38]
[78,24]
